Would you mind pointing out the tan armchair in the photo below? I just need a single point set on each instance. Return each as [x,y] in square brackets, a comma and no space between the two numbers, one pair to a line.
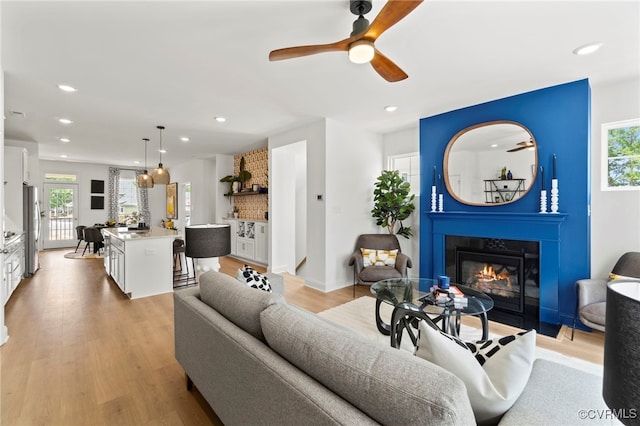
[375,273]
[592,293]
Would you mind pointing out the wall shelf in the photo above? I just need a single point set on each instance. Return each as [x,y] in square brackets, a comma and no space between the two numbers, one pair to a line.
[511,190]
[236,194]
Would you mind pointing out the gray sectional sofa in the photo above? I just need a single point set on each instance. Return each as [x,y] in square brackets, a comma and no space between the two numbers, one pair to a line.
[258,360]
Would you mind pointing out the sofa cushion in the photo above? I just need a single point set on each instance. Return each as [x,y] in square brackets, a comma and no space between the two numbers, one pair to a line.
[495,372]
[595,312]
[389,385]
[560,395]
[377,273]
[238,303]
[253,278]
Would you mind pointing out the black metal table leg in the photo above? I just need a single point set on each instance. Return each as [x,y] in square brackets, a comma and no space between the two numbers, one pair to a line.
[383,327]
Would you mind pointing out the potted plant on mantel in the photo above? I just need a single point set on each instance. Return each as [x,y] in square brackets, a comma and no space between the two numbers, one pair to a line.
[241,177]
[392,203]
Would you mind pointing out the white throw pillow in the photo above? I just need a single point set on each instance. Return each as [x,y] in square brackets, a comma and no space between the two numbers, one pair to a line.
[253,278]
[495,372]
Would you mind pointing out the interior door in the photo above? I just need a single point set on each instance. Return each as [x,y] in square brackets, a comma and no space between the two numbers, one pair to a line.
[60,207]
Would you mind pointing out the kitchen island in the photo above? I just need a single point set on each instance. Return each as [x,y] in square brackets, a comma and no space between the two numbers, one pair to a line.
[140,261]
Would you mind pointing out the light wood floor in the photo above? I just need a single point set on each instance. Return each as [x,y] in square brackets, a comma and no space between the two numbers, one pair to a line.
[81,353]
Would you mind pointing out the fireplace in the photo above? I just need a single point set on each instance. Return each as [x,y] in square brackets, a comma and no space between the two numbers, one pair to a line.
[498,274]
[507,270]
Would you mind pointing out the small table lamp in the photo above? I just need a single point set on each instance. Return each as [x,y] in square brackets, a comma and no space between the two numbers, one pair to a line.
[208,241]
[621,378]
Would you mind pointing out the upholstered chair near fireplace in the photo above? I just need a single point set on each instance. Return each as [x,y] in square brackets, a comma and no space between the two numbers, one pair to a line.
[592,293]
[377,257]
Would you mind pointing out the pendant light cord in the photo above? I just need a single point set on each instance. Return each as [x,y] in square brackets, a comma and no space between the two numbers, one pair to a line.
[161,128]
[145,154]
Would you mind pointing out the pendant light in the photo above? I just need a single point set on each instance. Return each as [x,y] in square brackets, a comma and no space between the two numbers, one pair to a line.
[160,175]
[144,180]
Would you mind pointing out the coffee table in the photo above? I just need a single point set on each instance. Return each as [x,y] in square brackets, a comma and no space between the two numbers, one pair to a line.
[413,299]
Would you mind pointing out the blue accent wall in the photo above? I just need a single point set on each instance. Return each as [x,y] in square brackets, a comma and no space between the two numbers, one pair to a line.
[559,119]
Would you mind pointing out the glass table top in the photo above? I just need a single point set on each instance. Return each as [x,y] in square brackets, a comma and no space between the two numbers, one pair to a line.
[422,293]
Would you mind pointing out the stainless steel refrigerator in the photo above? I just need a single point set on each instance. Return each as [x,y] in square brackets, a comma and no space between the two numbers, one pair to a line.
[32,222]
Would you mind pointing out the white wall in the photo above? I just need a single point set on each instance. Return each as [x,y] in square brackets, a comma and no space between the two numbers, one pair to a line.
[206,198]
[615,215]
[4,333]
[345,185]
[314,135]
[354,161]
[85,172]
[403,142]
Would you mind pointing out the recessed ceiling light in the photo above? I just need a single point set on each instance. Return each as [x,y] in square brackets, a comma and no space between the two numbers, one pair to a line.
[494,145]
[66,88]
[184,139]
[65,121]
[221,119]
[136,162]
[162,151]
[65,140]
[587,49]
[63,156]
[390,108]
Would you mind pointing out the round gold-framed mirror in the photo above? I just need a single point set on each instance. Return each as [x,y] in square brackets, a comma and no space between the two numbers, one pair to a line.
[491,163]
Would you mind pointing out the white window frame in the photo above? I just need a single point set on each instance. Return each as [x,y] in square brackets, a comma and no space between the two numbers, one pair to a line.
[604,141]
[391,166]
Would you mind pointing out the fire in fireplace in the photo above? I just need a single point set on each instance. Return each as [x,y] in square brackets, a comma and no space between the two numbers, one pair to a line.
[499,274]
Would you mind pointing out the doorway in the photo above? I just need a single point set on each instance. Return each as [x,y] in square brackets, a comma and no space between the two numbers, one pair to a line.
[60,207]
[288,208]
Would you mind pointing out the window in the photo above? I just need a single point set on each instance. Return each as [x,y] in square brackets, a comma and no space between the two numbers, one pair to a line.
[58,177]
[621,155]
[128,198]
[409,167]
[187,204]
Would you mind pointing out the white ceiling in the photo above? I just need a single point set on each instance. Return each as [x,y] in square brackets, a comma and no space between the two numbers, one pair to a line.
[179,64]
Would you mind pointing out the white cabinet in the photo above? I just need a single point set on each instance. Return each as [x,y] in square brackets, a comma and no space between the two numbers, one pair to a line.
[141,263]
[262,243]
[234,231]
[13,266]
[15,172]
[250,240]
[117,258]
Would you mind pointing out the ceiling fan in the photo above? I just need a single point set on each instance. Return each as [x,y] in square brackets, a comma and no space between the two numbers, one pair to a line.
[360,45]
[522,145]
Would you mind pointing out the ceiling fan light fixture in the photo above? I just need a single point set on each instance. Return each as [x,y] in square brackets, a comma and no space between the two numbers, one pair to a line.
[160,175]
[361,51]
[587,49]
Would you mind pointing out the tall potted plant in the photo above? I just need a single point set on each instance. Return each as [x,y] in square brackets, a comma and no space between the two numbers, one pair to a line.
[392,203]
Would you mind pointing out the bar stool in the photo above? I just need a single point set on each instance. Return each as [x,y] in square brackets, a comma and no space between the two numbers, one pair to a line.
[178,255]
[79,235]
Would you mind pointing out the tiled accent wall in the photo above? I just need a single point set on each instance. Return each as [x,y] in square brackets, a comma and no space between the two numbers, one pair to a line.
[256,162]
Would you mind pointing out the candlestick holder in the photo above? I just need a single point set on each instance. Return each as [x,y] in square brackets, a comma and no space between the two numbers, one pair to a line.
[434,199]
[543,201]
[440,203]
[555,195]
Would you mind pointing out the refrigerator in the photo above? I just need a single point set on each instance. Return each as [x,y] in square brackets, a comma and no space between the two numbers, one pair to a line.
[32,225]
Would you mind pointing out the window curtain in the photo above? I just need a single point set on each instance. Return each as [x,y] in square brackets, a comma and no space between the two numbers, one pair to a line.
[143,202]
[114,190]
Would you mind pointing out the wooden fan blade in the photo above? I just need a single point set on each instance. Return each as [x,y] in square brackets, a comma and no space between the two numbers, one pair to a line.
[518,148]
[387,68]
[298,51]
[392,12]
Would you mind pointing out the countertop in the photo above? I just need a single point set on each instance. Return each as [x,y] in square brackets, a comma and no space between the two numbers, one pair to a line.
[154,232]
